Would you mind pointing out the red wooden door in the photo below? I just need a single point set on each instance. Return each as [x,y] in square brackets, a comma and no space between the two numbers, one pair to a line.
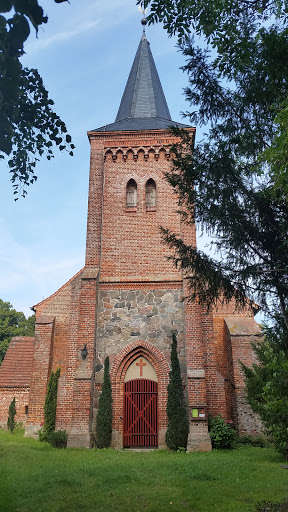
[140,413]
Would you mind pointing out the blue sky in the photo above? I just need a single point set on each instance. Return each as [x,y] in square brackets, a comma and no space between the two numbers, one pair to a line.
[84,56]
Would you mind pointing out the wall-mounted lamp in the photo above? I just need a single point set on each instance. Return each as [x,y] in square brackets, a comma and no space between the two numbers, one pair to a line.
[84,352]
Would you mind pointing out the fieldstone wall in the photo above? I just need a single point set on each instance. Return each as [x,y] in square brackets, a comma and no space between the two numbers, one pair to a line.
[240,334]
[249,423]
[146,314]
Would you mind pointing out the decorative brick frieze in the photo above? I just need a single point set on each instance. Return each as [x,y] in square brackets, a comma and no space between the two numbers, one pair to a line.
[133,153]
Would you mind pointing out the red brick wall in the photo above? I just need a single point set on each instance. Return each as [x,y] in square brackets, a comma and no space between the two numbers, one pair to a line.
[21,400]
[64,306]
[42,364]
[131,243]
[74,307]
[124,251]
[84,371]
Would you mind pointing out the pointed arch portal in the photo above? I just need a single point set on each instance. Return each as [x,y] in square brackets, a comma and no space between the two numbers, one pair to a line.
[139,378]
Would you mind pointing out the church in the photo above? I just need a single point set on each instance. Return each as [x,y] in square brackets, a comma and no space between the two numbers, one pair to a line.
[128,300]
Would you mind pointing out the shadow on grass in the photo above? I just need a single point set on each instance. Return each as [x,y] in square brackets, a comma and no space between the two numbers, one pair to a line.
[268,506]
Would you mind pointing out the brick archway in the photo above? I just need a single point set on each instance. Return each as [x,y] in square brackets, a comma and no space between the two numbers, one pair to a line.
[123,360]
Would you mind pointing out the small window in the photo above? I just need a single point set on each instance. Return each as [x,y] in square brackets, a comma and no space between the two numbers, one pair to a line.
[26,409]
[150,194]
[131,194]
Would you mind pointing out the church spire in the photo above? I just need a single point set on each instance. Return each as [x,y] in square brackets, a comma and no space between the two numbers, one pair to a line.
[143,95]
[143,105]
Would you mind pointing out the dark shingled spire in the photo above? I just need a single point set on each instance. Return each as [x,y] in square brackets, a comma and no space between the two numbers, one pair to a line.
[143,95]
[143,105]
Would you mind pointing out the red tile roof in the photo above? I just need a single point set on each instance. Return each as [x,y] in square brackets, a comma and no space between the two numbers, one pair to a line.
[16,369]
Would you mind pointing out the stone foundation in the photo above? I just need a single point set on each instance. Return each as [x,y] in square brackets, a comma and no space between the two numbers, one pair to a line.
[199,439]
[79,440]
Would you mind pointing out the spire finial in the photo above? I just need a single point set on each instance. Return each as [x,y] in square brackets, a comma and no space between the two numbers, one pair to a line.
[144,20]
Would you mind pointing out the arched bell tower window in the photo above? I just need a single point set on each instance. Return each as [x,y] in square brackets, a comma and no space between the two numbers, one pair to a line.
[150,194]
[131,194]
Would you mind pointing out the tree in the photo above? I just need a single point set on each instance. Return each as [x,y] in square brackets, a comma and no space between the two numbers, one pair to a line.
[104,416]
[28,125]
[267,386]
[13,323]
[11,423]
[231,185]
[235,184]
[178,422]
[50,406]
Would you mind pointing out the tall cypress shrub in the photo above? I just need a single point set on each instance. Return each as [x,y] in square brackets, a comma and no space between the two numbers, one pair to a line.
[11,423]
[178,422]
[104,416]
[50,405]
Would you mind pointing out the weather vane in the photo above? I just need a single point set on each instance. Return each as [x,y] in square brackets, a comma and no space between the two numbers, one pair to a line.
[143,11]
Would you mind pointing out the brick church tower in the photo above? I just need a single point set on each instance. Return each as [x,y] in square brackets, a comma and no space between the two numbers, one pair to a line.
[128,300]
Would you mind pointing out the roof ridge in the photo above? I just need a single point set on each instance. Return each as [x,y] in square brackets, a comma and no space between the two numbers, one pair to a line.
[57,291]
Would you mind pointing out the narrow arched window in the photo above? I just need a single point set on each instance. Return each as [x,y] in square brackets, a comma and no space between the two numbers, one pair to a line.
[150,191]
[131,194]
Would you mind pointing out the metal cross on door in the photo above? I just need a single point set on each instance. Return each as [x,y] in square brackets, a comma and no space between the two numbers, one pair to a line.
[140,413]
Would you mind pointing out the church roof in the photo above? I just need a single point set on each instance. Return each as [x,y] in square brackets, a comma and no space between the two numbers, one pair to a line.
[143,105]
[16,369]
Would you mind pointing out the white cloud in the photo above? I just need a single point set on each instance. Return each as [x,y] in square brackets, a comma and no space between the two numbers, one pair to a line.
[78,20]
[66,35]
[27,275]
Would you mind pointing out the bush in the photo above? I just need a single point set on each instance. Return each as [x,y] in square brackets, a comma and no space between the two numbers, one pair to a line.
[104,416]
[178,422]
[58,439]
[50,406]
[260,440]
[42,435]
[11,423]
[266,384]
[222,433]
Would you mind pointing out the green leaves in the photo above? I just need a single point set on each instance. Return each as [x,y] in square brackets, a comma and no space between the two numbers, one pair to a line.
[32,128]
[29,127]
[50,406]
[11,423]
[6,5]
[267,385]
[233,183]
[223,435]
[178,422]
[104,416]
[19,31]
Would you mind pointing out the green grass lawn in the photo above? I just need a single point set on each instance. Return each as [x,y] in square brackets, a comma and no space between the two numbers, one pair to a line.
[34,477]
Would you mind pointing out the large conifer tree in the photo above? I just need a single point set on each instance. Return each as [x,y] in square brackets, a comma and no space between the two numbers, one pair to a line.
[178,422]
[104,416]
[236,183]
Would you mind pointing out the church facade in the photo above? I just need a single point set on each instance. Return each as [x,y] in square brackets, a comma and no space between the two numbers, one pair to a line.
[129,299]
